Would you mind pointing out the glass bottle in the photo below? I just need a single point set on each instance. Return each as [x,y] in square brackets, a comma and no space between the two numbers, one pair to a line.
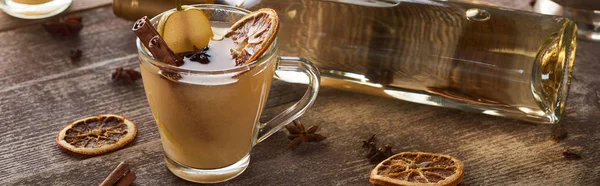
[472,57]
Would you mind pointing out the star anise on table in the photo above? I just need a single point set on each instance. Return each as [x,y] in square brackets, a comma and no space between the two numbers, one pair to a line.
[125,76]
[558,134]
[570,155]
[65,26]
[374,154]
[368,142]
[75,55]
[298,134]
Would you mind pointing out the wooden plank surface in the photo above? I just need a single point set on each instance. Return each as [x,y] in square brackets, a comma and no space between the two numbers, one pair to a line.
[41,90]
[8,22]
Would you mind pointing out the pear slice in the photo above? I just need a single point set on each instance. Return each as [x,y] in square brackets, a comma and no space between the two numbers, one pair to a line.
[183,30]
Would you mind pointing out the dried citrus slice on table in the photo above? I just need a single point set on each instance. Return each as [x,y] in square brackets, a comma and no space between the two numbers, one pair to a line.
[97,134]
[253,34]
[418,169]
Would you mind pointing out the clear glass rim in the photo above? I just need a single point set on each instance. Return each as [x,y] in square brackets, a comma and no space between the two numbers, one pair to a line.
[263,59]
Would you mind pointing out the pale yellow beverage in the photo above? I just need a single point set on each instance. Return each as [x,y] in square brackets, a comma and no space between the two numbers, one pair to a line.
[208,121]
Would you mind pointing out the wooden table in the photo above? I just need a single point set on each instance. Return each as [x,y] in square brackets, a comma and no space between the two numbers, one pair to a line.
[41,90]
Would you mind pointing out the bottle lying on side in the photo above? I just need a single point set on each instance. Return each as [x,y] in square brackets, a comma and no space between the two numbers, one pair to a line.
[472,57]
[484,59]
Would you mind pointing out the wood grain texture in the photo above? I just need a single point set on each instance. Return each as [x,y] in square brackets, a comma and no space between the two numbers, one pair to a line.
[41,90]
[8,22]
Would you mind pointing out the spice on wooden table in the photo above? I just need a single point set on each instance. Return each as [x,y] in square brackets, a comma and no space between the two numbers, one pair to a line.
[570,155]
[125,76]
[374,154]
[558,134]
[368,141]
[65,26]
[97,135]
[122,175]
[380,154]
[418,168]
[298,134]
[75,55]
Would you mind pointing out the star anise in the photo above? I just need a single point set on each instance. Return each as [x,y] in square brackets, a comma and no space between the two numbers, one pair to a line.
[297,134]
[367,143]
[75,55]
[199,55]
[65,26]
[382,153]
[570,155]
[125,76]
[558,133]
[374,154]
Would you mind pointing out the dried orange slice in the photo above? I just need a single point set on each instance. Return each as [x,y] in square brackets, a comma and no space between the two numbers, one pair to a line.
[97,134]
[418,169]
[253,34]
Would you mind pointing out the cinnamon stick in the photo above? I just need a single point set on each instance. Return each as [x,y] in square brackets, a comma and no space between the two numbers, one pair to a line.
[122,175]
[155,44]
[127,179]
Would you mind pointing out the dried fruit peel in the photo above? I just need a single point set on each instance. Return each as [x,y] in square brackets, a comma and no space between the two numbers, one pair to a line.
[418,169]
[97,135]
[253,35]
[183,30]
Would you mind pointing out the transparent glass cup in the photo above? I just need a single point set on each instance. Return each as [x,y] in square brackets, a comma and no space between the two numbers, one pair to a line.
[34,9]
[209,120]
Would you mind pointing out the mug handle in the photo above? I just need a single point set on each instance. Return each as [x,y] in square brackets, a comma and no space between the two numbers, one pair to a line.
[295,65]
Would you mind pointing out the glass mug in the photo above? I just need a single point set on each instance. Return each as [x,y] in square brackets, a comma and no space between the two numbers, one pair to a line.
[209,120]
[34,9]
